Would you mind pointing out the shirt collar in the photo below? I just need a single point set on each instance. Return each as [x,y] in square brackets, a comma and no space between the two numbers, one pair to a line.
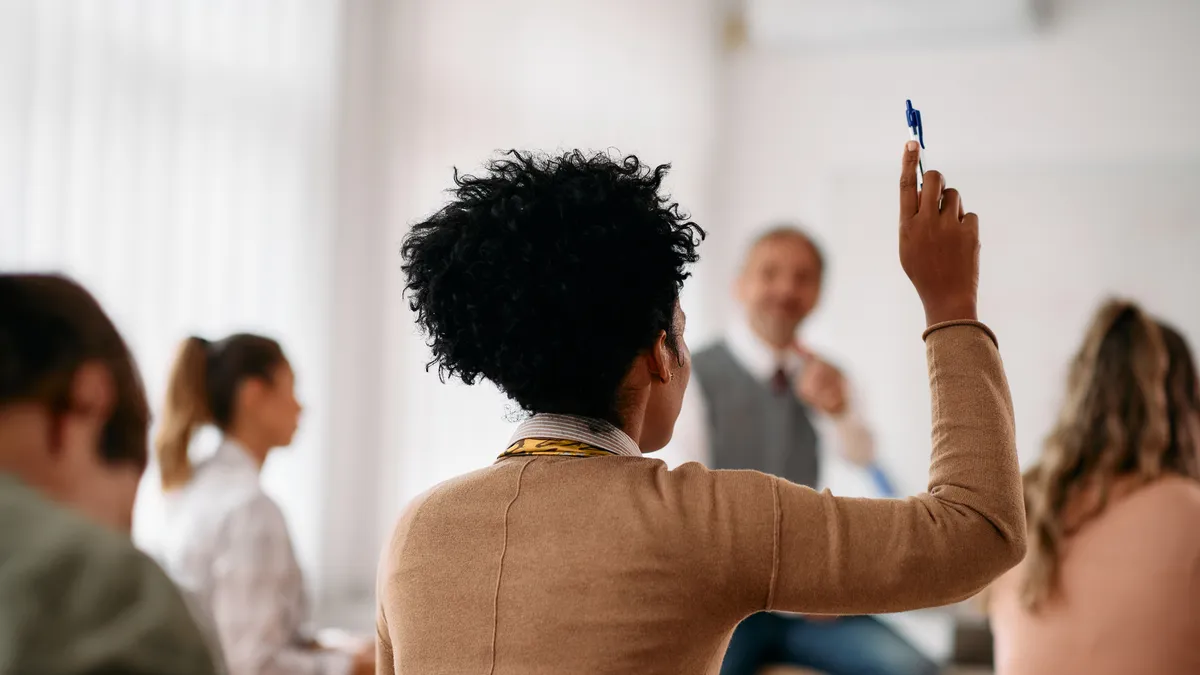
[757,357]
[231,454]
[575,428]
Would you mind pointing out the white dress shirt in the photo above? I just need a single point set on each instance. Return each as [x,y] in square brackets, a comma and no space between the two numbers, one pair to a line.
[225,542]
[846,436]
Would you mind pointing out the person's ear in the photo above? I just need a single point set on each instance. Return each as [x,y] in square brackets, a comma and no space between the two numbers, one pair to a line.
[251,391]
[92,395]
[660,359]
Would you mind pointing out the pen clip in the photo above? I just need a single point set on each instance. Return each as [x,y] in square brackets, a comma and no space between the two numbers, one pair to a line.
[913,117]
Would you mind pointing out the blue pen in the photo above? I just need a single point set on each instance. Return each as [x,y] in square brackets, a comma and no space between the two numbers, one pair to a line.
[916,132]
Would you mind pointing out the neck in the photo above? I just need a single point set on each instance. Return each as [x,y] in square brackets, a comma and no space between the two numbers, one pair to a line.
[252,443]
[23,435]
[633,417]
[27,454]
[778,341]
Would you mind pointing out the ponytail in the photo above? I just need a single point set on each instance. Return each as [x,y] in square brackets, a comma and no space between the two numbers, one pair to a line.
[185,411]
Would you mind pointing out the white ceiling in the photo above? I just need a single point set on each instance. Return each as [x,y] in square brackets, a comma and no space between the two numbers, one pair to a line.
[842,23]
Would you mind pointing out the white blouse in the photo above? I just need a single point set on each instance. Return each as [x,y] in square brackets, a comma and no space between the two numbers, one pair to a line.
[225,542]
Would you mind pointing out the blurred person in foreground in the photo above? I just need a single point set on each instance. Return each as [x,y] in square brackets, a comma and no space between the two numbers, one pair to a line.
[558,279]
[768,403]
[76,597]
[1112,580]
[224,539]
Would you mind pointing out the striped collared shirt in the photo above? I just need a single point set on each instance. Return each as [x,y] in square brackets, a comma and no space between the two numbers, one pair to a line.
[583,429]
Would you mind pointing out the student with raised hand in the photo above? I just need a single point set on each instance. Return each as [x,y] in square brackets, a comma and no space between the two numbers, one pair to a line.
[558,279]
[76,597]
[224,539]
[1112,580]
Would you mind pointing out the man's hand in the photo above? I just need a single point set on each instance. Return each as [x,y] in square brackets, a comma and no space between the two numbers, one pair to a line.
[821,385]
[939,244]
[361,650]
[364,661]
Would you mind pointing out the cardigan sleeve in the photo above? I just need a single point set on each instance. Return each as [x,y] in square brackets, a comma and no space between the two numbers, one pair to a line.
[832,555]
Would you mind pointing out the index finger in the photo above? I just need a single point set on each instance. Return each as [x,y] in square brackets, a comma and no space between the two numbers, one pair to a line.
[909,200]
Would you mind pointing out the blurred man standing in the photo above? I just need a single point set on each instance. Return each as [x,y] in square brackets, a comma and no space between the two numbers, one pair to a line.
[767,403]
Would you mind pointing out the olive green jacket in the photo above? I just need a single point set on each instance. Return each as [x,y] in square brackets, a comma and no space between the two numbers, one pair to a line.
[77,598]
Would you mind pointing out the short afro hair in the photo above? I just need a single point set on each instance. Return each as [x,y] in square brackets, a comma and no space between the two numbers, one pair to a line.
[548,275]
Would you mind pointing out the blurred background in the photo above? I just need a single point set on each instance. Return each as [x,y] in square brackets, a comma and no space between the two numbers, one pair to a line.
[207,166]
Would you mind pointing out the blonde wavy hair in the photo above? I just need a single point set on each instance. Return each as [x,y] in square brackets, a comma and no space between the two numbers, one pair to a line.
[1131,411]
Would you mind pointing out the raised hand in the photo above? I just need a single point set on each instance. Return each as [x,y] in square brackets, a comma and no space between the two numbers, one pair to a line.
[939,244]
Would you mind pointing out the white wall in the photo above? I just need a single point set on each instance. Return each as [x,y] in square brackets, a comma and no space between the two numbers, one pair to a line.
[1078,147]
[359,255]
[177,159]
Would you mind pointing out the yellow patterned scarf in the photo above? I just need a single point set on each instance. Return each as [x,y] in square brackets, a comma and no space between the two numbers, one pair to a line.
[553,447]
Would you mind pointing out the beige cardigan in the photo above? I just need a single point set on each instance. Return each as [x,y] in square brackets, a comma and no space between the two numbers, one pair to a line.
[554,565]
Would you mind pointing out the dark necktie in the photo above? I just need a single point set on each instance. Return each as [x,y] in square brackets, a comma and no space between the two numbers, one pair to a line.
[779,382]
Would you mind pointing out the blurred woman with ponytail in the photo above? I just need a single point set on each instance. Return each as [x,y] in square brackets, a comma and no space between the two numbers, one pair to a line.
[225,540]
[1111,579]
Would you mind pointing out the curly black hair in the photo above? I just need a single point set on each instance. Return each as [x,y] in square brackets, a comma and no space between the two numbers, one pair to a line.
[548,275]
